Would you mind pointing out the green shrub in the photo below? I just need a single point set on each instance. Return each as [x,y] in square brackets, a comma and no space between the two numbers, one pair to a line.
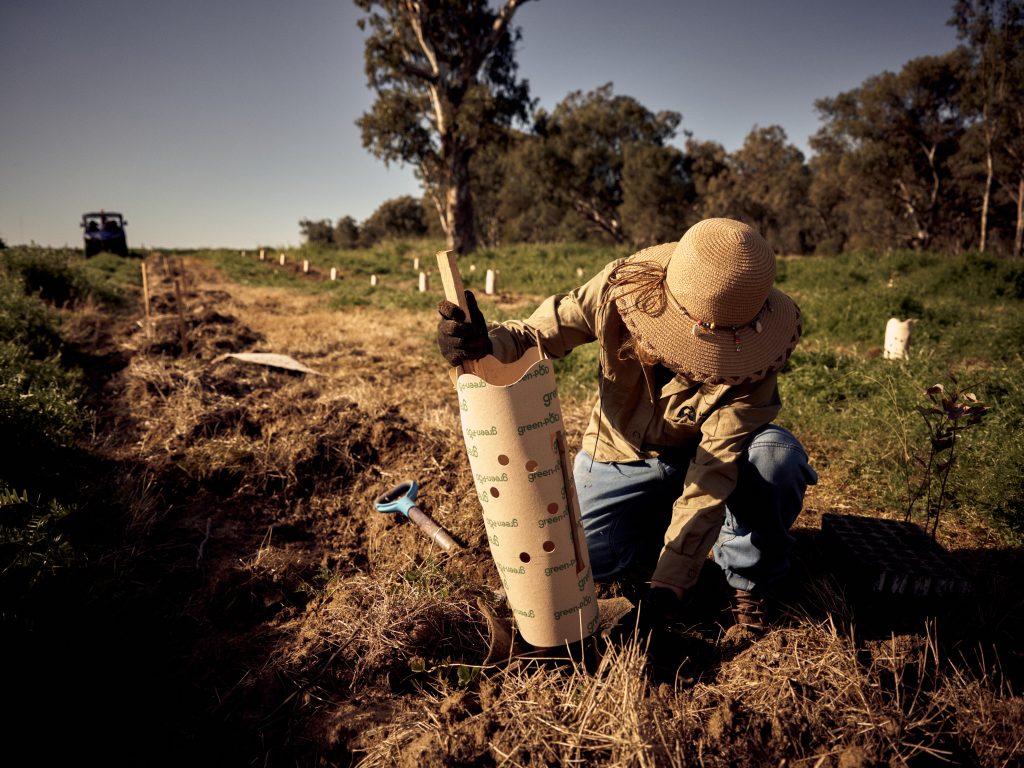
[32,545]
[40,401]
[61,277]
[26,322]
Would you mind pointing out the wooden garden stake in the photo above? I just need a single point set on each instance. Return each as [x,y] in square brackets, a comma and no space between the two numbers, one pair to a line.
[145,300]
[334,273]
[281,259]
[424,282]
[263,256]
[305,266]
[490,282]
[373,280]
[182,329]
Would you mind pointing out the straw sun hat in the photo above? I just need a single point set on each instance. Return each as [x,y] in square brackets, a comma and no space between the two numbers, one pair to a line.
[706,307]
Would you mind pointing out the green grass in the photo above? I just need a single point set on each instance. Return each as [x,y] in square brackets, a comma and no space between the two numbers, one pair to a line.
[861,409]
[523,269]
[855,410]
[42,400]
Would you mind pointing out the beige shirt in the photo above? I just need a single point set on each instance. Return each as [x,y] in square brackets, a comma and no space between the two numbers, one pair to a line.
[635,418]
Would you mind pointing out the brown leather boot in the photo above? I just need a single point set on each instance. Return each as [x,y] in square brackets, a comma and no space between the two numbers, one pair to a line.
[748,610]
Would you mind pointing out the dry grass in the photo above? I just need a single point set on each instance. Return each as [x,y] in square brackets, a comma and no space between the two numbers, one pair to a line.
[272,456]
[365,629]
[802,696]
[531,713]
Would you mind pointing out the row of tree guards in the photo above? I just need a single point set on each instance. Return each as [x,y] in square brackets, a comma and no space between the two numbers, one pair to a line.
[897,332]
[490,277]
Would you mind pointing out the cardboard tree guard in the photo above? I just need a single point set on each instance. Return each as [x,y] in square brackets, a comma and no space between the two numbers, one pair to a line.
[515,441]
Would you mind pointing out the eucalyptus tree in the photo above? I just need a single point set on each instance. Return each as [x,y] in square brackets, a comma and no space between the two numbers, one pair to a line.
[1013,117]
[317,232]
[597,151]
[894,137]
[765,183]
[346,232]
[656,193]
[992,31]
[445,76]
[398,217]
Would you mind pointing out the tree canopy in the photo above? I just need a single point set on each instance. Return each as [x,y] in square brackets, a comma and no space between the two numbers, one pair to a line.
[446,81]
[930,156]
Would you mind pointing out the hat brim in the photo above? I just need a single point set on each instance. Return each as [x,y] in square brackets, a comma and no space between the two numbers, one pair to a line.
[669,336]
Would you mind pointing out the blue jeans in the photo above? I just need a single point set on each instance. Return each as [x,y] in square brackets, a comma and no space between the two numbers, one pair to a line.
[626,507]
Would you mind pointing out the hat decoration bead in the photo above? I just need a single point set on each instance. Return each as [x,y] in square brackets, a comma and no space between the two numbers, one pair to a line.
[700,327]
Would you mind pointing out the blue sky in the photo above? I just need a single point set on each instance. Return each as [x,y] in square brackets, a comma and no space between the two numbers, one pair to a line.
[223,122]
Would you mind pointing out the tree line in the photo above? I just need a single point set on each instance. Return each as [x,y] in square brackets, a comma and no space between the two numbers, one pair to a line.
[929,157]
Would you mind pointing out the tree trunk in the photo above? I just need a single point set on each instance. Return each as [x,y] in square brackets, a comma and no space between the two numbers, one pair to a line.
[1019,235]
[933,198]
[437,199]
[921,235]
[609,224]
[461,227]
[985,197]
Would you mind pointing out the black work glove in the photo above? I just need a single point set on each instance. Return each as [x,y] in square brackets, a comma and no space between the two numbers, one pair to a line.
[458,339]
[659,608]
[655,613]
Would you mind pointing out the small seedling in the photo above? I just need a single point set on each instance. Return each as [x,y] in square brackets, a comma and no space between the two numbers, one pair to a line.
[949,414]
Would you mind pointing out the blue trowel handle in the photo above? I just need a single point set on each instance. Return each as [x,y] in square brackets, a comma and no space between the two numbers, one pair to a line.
[399,499]
[402,498]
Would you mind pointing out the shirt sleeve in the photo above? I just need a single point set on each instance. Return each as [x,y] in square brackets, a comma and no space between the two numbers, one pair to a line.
[563,321]
[698,514]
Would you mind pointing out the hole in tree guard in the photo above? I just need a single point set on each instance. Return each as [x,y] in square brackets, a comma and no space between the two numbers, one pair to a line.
[549,546]
[531,465]
[553,508]
[494,492]
[503,460]
[524,556]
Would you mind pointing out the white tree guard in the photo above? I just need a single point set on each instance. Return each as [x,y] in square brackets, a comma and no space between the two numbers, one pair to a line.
[897,339]
[515,440]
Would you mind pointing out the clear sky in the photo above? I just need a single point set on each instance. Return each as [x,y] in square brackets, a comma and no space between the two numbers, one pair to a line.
[223,122]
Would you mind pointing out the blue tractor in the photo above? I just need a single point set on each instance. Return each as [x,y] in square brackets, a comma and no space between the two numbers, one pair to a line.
[104,231]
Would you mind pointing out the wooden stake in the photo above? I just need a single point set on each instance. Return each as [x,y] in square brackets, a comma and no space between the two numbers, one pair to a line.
[263,255]
[182,329]
[305,266]
[334,273]
[489,283]
[145,300]
[416,263]
[424,282]
[281,259]
[454,290]
[373,280]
